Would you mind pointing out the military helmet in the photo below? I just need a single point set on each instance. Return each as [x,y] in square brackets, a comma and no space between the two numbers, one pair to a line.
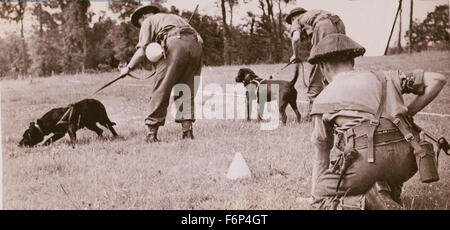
[335,45]
[152,8]
[294,12]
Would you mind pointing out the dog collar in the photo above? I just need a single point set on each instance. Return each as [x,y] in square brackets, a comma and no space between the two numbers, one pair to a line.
[257,82]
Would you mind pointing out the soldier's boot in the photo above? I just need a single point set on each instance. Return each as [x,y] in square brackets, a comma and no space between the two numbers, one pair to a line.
[152,135]
[187,130]
[396,193]
[356,202]
[379,198]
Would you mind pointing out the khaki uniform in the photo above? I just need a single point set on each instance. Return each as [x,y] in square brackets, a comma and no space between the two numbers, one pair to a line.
[338,110]
[319,23]
[181,64]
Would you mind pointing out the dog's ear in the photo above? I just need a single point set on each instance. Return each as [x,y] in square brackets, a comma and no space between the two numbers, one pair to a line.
[240,76]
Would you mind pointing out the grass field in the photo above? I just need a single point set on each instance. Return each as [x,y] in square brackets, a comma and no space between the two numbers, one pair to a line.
[127,173]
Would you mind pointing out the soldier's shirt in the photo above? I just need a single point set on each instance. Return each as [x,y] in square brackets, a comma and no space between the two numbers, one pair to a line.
[354,96]
[306,21]
[156,23]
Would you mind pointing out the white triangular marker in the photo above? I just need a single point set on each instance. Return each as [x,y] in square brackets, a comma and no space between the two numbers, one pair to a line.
[238,168]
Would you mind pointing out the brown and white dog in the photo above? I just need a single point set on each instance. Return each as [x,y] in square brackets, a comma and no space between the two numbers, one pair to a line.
[287,93]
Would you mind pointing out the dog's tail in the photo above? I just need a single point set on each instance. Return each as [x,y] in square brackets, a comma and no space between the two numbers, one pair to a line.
[293,81]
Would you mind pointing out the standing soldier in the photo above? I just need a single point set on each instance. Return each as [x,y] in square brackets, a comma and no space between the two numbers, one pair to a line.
[361,118]
[318,24]
[181,61]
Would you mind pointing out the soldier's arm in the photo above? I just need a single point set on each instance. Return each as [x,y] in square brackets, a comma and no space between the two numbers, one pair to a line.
[295,37]
[145,36]
[295,41]
[322,142]
[137,57]
[433,83]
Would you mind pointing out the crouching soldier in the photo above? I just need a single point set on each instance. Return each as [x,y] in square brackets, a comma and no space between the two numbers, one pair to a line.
[363,148]
[316,24]
[180,61]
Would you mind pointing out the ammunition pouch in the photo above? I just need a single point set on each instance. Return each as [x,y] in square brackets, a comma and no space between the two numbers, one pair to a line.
[423,151]
[386,133]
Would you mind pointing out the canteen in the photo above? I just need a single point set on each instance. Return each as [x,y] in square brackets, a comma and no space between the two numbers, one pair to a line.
[154,52]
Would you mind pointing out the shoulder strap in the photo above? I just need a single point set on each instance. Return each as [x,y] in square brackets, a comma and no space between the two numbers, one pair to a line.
[374,123]
[382,78]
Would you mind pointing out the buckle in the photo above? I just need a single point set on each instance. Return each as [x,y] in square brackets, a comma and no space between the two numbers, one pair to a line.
[396,121]
[374,122]
[409,137]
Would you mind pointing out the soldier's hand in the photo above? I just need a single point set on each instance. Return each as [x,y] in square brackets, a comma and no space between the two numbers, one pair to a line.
[124,71]
[199,39]
[293,59]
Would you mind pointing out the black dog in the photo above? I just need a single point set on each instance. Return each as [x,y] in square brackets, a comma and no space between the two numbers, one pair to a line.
[287,92]
[59,121]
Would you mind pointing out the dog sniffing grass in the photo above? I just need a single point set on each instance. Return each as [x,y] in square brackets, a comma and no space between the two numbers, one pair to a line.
[59,121]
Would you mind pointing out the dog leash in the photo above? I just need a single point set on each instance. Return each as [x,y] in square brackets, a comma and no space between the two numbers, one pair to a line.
[257,82]
[70,110]
[303,75]
[120,77]
[288,64]
[284,67]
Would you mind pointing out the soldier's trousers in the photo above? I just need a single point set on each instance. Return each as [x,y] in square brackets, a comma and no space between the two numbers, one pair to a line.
[394,163]
[321,29]
[182,63]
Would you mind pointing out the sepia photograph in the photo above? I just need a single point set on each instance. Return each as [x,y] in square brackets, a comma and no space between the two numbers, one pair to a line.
[225,105]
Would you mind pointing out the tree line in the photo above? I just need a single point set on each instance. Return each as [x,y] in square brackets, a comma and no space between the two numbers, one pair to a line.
[65,39]
[430,34]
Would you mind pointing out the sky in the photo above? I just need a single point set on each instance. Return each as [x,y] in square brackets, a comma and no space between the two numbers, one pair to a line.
[367,21]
